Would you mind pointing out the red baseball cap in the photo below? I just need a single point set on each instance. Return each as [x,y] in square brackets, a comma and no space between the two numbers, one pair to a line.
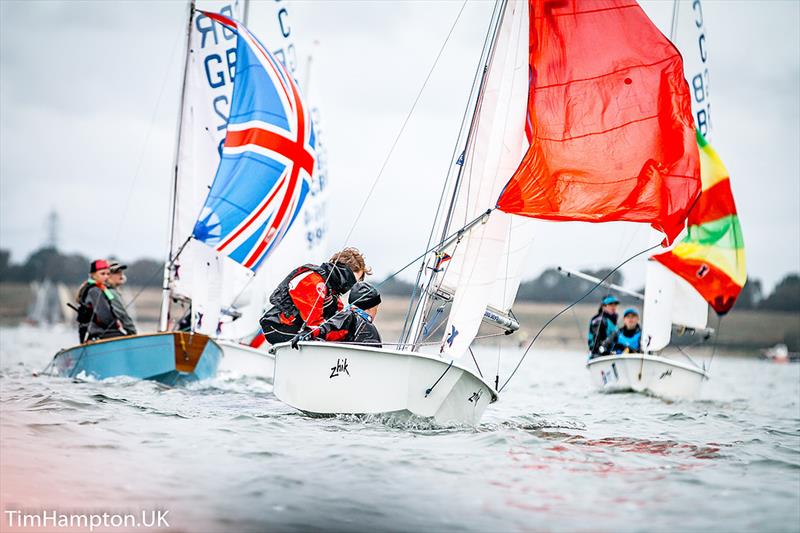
[98,264]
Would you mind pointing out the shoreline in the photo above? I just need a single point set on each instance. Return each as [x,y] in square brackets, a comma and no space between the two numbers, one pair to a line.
[745,331]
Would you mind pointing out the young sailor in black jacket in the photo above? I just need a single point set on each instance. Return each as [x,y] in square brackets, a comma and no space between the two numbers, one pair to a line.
[602,325]
[310,294]
[352,324]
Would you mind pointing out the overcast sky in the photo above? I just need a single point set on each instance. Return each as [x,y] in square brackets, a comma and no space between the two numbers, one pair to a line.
[88,102]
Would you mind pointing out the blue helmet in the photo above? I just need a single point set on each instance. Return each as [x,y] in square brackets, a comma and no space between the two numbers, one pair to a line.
[608,300]
[631,311]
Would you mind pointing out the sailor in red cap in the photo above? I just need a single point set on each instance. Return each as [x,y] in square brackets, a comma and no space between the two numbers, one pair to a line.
[96,319]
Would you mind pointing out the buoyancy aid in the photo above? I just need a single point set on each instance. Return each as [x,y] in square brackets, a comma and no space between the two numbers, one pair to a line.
[309,294]
[86,313]
[280,297]
[629,340]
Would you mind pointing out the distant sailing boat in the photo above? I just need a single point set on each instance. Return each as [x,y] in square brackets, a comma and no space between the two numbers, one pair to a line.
[569,123]
[237,190]
[706,268]
[49,304]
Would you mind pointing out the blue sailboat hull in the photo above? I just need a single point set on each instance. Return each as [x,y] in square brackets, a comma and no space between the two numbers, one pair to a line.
[171,358]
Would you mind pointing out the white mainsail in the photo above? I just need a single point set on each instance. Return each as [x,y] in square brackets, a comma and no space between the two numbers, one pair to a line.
[486,263]
[208,85]
[688,34]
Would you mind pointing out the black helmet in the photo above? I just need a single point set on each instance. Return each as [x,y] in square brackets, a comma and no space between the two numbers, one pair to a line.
[364,295]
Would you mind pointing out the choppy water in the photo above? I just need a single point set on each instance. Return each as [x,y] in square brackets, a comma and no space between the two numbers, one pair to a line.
[552,455]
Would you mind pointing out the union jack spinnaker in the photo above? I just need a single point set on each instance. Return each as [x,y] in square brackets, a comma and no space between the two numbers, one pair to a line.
[267,158]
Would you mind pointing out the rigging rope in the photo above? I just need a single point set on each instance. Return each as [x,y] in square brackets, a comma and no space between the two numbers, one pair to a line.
[394,145]
[443,242]
[146,142]
[405,123]
[452,165]
[716,342]
[570,306]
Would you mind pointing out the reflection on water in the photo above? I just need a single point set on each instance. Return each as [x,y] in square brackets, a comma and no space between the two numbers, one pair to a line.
[225,455]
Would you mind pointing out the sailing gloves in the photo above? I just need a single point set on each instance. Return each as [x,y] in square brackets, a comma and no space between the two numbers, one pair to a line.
[304,336]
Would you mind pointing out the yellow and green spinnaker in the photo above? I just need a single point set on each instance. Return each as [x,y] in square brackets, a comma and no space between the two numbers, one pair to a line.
[711,256]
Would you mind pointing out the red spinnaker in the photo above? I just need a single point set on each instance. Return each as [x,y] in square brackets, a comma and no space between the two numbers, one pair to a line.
[611,120]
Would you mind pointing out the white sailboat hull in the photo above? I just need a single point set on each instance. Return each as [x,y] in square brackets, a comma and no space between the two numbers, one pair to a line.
[651,374]
[241,360]
[326,379]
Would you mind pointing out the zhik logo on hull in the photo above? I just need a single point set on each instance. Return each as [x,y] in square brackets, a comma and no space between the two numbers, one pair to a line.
[339,367]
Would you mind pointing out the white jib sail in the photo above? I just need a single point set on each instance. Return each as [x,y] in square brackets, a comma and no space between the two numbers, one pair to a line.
[668,300]
[486,264]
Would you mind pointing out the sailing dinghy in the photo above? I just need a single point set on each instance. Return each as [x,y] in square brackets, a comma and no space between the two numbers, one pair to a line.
[245,171]
[706,268]
[568,122]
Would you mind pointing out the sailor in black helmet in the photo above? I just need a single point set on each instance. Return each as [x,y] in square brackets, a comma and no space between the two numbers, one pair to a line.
[352,324]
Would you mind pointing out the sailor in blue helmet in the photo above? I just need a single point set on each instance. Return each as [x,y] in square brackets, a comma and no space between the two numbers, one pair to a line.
[628,338]
[353,324]
[602,325]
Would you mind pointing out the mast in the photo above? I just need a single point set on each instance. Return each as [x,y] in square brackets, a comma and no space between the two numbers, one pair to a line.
[674,26]
[417,321]
[164,317]
[246,12]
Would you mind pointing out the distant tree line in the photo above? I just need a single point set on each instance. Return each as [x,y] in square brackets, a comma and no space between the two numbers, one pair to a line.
[553,287]
[72,269]
[549,286]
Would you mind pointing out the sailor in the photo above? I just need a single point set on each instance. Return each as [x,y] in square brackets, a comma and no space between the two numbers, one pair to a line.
[116,280]
[603,324]
[352,324]
[628,338]
[310,294]
[96,319]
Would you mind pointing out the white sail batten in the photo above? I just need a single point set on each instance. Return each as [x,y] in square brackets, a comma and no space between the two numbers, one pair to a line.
[481,263]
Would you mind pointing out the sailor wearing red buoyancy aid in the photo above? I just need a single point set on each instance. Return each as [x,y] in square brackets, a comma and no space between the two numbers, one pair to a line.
[310,294]
[352,324]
